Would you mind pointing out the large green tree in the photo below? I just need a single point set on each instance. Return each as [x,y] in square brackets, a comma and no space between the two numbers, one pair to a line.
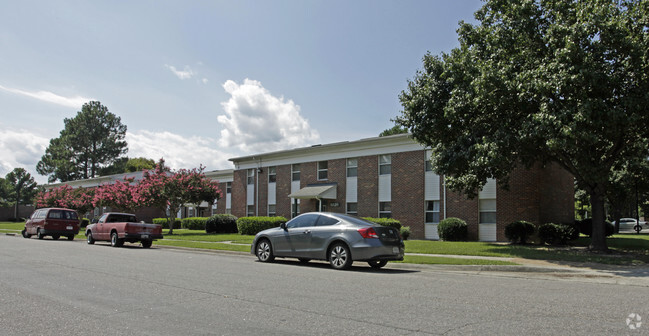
[22,188]
[128,165]
[562,81]
[92,140]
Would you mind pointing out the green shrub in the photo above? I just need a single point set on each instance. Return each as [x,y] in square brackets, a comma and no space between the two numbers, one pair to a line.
[405,232]
[253,225]
[221,224]
[194,223]
[557,234]
[165,223]
[453,229]
[519,232]
[586,227]
[385,222]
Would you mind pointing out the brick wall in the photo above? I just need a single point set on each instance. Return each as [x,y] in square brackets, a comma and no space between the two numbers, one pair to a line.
[239,193]
[368,186]
[338,174]
[458,205]
[556,189]
[308,175]
[283,186]
[262,194]
[408,191]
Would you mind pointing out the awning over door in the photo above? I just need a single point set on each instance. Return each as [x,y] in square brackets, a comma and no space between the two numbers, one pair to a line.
[324,191]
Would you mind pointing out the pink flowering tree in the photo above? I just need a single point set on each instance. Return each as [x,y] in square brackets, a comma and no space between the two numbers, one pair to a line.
[124,195]
[79,199]
[169,190]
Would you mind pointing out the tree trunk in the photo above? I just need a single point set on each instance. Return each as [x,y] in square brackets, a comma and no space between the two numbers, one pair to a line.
[598,236]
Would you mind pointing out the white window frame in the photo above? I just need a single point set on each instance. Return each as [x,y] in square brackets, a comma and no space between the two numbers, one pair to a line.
[295,170]
[272,175]
[324,170]
[250,176]
[352,165]
[354,211]
[435,210]
[385,164]
[385,213]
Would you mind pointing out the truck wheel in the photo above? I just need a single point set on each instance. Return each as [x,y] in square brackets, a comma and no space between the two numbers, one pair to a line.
[40,234]
[25,234]
[115,241]
[147,243]
[89,239]
[71,237]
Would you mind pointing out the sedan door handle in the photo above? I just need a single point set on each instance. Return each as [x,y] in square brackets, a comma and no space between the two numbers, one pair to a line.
[307,231]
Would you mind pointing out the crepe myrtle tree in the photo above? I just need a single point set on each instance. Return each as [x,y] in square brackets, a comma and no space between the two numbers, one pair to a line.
[65,196]
[538,82]
[169,190]
[124,195]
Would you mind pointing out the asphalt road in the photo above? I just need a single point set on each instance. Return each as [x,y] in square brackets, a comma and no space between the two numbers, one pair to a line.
[70,288]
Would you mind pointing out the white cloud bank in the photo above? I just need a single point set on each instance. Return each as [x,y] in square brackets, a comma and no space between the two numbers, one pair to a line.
[46,96]
[178,151]
[21,148]
[257,121]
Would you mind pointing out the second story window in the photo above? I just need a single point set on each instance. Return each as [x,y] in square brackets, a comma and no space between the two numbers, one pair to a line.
[352,167]
[251,176]
[385,164]
[322,170]
[295,172]
[272,175]
[228,187]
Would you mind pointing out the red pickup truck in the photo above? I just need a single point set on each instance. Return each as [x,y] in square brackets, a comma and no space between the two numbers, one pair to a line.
[122,227]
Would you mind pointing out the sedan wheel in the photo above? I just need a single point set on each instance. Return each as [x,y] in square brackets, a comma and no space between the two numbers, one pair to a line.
[25,234]
[377,263]
[339,256]
[264,251]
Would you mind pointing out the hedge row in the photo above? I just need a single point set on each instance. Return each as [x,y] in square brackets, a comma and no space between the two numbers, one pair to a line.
[221,224]
[165,223]
[253,225]
[385,222]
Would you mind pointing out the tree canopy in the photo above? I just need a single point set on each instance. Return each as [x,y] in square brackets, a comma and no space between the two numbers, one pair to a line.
[21,188]
[128,165]
[538,82]
[93,139]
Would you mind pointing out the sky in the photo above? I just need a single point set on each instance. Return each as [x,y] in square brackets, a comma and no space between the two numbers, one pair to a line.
[200,82]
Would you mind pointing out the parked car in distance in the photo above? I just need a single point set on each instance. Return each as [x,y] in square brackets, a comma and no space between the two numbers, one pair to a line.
[53,222]
[118,228]
[338,238]
[628,224]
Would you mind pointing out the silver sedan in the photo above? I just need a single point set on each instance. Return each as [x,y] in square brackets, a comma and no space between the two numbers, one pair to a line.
[337,238]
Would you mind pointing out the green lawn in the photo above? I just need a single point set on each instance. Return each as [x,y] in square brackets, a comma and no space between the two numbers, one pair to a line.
[628,249]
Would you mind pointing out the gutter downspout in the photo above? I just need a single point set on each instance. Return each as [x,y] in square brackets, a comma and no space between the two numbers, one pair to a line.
[444,186]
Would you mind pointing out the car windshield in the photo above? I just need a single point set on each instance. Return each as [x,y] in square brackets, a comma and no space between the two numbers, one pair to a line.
[355,220]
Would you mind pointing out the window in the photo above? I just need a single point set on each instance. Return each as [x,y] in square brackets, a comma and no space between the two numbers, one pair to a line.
[326,221]
[385,210]
[352,209]
[432,211]
[251,176]
[385,164]
[272,212]
[487,211]
[352,167]
[322,170]
[228,187]
[303,221]
[251,211]
[295,172]
[272,175]
[429,163]
[295,209]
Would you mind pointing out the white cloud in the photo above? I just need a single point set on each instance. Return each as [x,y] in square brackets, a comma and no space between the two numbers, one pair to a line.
[257,121]
[186,73]
[178,151]
[50,97]
[21,149]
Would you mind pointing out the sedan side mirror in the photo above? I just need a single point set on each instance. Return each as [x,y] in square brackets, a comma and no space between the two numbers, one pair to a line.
[94,221]
[283,226]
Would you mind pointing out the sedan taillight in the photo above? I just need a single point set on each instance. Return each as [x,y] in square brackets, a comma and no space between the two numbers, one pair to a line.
[368,232]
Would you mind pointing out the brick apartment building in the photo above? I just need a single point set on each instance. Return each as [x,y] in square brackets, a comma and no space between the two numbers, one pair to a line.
[388,177]
[376,177]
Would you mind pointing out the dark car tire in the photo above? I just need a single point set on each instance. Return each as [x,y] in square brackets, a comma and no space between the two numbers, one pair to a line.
[340,257]
[56,237]
[377,263]
[147,243]
[25,234]
[71,237]
[40,234]
[264,251]
[89,239]
[115,241]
